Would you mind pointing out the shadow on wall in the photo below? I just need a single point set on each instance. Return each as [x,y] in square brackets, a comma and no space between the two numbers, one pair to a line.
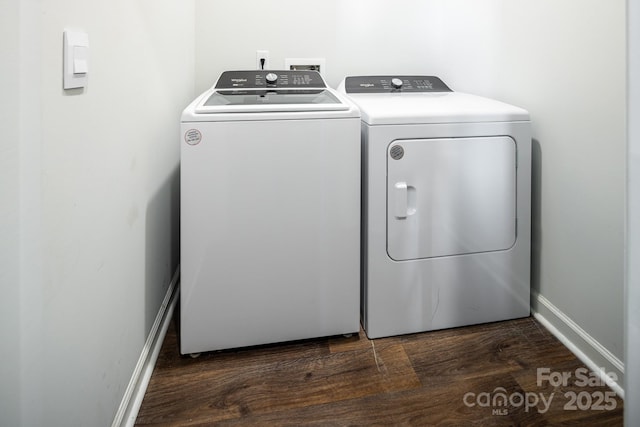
[536,227]
[162,250]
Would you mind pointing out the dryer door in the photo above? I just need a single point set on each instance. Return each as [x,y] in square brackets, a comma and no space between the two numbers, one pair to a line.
[450,196]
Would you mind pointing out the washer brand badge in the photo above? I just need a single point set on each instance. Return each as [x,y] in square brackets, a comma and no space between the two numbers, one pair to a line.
[239,80]
[192,137]
[367,85]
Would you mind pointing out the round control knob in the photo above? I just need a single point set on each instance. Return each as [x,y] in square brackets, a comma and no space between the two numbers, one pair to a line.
[271,78]
[396,83]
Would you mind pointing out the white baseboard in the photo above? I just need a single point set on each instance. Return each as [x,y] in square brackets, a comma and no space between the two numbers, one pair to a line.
[132,399]
[593,354]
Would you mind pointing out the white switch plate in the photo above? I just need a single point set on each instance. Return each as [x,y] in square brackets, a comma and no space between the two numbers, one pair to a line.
[75,59]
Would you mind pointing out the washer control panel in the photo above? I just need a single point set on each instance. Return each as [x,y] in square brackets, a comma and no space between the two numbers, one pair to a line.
[384,84]
[270,79]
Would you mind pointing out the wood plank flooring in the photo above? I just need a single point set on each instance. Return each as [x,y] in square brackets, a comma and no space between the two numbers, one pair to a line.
[451,377]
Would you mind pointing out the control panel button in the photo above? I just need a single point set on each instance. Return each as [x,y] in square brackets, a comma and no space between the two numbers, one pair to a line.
[396,83]
[271,78]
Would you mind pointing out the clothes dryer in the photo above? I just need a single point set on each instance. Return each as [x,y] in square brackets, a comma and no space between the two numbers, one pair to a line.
[446,206]
[270,212]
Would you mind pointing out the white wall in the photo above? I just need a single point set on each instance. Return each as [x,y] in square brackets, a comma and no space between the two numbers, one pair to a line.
[571,74]
[9,215]
[93,213]
[563,61]
[443,37]
[632,409]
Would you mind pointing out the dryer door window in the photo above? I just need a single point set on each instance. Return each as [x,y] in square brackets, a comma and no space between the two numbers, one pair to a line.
[450,196]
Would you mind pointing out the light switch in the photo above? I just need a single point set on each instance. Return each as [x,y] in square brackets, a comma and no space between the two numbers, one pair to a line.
[76,59]
[80,57]
[79,66]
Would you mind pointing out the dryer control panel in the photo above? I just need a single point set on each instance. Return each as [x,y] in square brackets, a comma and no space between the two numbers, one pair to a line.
[388,84]
[270,79]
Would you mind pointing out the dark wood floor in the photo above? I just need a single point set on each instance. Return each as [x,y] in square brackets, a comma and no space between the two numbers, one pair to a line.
[449,377]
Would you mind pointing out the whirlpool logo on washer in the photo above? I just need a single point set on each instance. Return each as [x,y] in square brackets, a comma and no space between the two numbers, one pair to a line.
[193,137]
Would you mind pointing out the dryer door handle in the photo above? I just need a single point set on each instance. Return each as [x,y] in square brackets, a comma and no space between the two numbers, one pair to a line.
[401,200]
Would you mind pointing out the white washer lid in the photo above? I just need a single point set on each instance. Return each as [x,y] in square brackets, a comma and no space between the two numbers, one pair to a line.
[247,95]
[197,111]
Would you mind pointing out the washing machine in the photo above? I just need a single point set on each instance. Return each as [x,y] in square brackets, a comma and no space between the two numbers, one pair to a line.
[446,206]
[270,212]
